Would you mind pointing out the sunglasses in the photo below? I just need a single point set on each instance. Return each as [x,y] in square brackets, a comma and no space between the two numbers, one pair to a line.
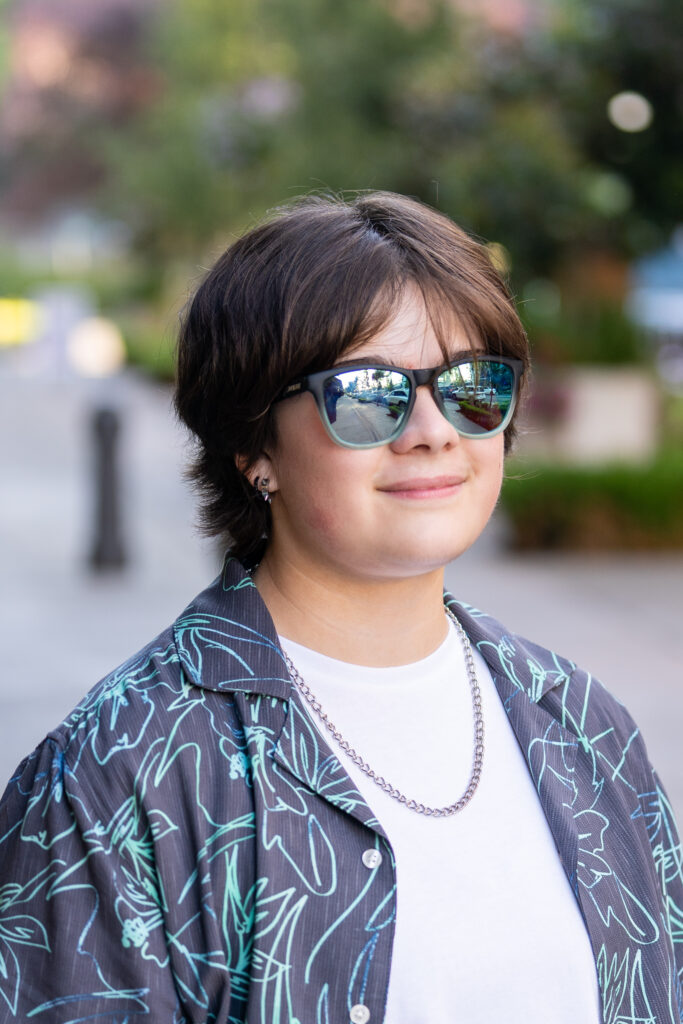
[363,406]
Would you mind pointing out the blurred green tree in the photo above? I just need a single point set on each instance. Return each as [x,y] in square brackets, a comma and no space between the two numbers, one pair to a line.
[247,102]
[635,178]
[264,100]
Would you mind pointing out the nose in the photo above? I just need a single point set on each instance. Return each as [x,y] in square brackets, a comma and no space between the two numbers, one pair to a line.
[427,427]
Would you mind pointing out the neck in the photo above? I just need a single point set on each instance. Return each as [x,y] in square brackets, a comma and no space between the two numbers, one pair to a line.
[366,622]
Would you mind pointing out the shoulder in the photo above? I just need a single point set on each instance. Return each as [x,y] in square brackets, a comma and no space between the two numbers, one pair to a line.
[134,732]
[569,692]
[136,701]
[528,665]
[102,829]
[172,705]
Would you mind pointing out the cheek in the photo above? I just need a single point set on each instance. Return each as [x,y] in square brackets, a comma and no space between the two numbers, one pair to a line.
[320,515]
[321,486]
[491,466]
[498,466]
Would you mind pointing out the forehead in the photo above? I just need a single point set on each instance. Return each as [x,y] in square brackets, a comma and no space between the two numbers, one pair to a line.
[411,338]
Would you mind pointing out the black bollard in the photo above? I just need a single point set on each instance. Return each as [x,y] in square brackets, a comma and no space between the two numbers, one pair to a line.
[108,550]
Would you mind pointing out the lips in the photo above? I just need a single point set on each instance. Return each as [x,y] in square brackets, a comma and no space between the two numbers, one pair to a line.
[432,485]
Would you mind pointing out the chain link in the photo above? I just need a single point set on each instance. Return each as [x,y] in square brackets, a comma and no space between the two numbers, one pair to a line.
[379,780]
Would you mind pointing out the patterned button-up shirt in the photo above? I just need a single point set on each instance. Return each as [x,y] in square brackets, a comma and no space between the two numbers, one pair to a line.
[185,847]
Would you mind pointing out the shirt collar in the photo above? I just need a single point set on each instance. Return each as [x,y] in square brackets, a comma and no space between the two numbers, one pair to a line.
[530,668]
[226,641]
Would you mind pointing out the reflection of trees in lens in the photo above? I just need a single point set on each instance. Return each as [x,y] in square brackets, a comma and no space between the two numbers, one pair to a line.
[501,378]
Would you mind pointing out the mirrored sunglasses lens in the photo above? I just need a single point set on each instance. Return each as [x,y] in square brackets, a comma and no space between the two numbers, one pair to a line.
[366,406]
[477,396]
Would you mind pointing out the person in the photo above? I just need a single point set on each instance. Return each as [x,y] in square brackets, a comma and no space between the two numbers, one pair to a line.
[330,791]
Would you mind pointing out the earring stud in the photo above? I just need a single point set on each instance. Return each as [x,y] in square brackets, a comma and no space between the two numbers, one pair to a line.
[262,487]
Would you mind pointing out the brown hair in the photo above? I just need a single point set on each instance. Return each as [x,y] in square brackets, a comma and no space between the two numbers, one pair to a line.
[290,297]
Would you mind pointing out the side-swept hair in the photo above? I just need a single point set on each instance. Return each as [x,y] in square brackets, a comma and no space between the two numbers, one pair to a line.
[293,295]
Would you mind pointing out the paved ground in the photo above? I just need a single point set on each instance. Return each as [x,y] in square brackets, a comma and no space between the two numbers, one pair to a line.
[61,628]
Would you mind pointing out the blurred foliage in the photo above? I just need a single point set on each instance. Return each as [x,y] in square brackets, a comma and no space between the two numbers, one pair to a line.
[597,332]
[672,422]
[113,287]
[264,100]
[232,106]
[506,133]
[186,120]
[148,346]
[606,507]
[613,45]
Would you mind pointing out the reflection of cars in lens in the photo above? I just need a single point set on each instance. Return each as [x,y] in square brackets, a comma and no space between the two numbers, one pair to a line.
[371,395]
[399,396]
[479,394]
[457,393]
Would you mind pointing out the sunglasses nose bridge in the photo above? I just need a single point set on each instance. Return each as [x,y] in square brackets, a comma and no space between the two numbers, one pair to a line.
[428,378]
[421,377]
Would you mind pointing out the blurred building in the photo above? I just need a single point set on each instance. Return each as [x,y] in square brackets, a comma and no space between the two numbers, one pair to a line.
[72,67]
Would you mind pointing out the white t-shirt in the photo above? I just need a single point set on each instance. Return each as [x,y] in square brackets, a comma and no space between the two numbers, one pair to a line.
[487,927]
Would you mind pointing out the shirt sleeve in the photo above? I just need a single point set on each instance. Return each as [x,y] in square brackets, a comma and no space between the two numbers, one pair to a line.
[668,857]
[662,834]
[82,933]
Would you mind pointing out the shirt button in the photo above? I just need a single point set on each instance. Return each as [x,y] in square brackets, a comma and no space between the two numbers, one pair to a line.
[371,859]
[359,1013]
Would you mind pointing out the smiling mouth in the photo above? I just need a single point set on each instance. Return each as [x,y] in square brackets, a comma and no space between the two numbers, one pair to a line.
[425,487]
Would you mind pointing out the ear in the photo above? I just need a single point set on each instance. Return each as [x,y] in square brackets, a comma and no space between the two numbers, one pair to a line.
[261,468]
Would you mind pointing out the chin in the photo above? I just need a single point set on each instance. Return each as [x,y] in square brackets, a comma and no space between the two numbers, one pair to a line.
[405,563]
[435,549]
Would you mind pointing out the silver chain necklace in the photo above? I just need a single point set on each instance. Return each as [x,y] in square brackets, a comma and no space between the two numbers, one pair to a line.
[477,759]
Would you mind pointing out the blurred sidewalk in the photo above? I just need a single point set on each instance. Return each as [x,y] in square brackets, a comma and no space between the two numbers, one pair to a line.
[61,628]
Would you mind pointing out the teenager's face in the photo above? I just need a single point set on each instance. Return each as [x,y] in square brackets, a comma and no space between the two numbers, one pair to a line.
[395,511]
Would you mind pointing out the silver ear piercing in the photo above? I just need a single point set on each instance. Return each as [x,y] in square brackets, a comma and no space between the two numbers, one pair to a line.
[261,484]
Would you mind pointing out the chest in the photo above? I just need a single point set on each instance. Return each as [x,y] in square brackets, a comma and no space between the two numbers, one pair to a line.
[310,903]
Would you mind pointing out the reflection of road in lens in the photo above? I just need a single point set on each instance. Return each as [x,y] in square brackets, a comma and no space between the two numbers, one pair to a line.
[361,422]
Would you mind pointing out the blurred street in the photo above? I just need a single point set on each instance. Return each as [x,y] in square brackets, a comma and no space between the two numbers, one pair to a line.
[62,627]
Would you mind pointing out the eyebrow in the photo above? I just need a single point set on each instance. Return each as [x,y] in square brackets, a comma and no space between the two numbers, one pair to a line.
[372,360]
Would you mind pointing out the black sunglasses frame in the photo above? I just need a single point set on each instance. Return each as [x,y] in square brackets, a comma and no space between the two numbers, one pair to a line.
[314,383]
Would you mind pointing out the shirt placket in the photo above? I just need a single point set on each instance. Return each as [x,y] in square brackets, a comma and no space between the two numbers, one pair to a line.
[335,853]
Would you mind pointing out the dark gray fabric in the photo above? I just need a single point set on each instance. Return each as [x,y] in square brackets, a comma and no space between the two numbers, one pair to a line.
[185,846]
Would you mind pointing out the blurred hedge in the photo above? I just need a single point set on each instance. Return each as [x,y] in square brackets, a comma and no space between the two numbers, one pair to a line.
[610,507]
[149,347]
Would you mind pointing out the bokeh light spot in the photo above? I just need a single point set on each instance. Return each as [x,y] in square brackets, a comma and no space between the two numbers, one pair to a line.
[19,319]
[500,257]
[630,112]
[95,348]
[608,193]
